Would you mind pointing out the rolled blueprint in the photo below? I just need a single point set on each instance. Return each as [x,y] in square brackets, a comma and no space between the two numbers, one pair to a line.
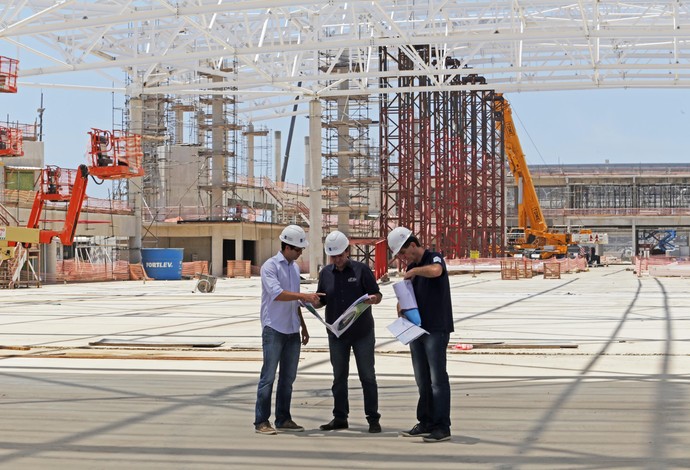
[405,294]
[408,303]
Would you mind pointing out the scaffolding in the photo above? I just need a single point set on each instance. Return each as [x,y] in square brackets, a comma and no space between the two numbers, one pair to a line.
[442,160]
[154,134]
[350,172]
[351,180]
[256,145]
[218,137]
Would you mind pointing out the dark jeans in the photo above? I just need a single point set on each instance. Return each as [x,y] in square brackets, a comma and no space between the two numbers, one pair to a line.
[429,364]
[340,360]
[280,349]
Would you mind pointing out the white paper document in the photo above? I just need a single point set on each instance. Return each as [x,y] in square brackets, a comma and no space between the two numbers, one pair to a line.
[345,320]
[405,330]
[405,294]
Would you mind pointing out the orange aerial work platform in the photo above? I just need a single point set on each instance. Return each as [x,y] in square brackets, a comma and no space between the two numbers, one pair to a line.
[11,142]
[60,185]
[115,155]
[8,74]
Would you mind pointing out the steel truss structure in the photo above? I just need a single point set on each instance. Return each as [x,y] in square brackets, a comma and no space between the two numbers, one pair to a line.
[442,162]
[521,45]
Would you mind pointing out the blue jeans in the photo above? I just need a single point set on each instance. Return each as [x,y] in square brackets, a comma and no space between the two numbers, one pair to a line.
[280,349]
[429,364]
[340,360]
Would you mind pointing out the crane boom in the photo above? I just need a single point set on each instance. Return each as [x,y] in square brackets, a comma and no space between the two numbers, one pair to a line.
[533,235]
[528,209]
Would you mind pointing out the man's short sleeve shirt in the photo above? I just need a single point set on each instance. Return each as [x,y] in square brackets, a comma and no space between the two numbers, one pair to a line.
[433,295]
[344,287]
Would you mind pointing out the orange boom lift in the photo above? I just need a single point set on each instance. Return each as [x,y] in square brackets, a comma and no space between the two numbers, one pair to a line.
[114,156]
[8,74]
[11,142]
[10,138]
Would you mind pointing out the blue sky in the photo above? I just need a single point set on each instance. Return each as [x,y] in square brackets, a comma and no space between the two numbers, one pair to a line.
[592,126]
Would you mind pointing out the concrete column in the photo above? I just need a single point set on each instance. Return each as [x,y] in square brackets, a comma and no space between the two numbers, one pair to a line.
[307,163]
[200,120]
[239,244]
[135,185]
[277,149]
[219,152]
[250,152]
[315,229]
[344,156]
[179,126]
[216,250]
[50,258]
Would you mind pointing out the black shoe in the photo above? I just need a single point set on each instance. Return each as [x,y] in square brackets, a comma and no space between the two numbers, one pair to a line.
[334,424]
[419,430]
[374,427]
[438,435]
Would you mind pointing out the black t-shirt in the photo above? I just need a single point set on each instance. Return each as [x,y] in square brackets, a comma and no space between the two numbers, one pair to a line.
[344,287]
[433,295]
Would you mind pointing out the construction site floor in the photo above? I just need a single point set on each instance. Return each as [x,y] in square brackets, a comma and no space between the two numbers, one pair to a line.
[587,371]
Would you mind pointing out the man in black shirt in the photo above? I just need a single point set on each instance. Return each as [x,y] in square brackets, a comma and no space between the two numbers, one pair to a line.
[429,276]
[342,282]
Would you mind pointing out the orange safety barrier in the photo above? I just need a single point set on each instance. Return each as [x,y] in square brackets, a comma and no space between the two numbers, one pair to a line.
[661,265]
[514,268]
[81,271]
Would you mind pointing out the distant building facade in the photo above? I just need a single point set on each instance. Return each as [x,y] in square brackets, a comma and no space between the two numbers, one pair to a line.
[641,206]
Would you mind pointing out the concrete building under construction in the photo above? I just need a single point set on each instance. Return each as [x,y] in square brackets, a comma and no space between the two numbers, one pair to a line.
[403,125]
[430,161]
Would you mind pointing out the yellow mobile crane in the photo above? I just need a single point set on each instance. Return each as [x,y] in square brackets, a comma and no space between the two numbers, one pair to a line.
[532,237]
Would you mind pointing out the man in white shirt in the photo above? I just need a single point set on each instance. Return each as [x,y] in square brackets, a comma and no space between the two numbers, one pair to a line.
[281,320]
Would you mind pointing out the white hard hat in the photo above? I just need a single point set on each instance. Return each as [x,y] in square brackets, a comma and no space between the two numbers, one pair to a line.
[294,235]
[397,238]
[336,243]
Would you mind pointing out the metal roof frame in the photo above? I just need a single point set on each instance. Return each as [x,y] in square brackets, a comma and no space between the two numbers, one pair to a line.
[271,51]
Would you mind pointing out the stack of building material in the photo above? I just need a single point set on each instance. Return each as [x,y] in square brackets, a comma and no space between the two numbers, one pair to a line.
[524,268]
[239,268]
[192,268]
[509,269]
[552,270]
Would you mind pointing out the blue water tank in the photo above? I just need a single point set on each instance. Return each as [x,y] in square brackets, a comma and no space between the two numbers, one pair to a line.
[163,263]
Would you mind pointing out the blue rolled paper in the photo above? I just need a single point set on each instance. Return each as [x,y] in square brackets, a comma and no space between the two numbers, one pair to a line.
[413,316]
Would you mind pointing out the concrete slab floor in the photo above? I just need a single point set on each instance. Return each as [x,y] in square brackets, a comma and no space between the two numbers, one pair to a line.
[617,400]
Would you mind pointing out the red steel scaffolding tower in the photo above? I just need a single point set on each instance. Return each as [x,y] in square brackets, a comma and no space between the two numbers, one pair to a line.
[442,160]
